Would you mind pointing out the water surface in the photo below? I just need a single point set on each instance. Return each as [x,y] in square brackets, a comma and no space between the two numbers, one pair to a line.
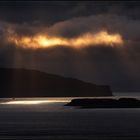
[52,120]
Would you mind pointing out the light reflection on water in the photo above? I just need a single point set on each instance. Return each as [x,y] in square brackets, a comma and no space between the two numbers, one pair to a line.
[28,102]
[33,104]
[32,101]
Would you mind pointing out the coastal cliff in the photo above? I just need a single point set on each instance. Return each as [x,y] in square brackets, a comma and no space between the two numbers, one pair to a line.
[33,83]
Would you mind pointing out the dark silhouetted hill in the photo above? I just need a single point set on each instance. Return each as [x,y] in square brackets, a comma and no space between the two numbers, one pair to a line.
[32,83]
[105,103]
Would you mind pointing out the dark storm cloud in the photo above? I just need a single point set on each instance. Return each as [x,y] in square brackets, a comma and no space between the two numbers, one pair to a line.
[51,12]
[128,28]
[118,67]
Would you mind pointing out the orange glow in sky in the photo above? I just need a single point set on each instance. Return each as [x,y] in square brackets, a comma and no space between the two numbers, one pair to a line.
[88,39]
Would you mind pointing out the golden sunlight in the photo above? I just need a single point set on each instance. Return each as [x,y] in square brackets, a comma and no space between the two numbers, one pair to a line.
[88,39]
[101,38]
[26,102]
[29,102]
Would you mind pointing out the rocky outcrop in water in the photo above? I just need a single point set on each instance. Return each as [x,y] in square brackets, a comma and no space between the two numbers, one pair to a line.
[105,103]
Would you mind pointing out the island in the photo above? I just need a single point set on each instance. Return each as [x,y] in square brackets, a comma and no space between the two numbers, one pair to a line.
[105,103]
[16,82]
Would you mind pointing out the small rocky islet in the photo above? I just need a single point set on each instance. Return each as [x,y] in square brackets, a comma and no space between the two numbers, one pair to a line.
[105,103]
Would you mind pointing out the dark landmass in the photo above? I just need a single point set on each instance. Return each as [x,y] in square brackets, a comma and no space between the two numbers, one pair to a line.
[105,103]
[32,83]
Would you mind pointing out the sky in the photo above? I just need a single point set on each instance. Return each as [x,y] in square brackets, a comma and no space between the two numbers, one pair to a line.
[97,42]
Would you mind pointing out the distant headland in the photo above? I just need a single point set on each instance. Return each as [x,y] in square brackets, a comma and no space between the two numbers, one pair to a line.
[105,103]
[33,83]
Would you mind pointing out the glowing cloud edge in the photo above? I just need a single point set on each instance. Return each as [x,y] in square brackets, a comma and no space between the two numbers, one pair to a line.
[87,39]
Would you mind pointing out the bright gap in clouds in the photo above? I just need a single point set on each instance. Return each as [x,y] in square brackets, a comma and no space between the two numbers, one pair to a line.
[87,39]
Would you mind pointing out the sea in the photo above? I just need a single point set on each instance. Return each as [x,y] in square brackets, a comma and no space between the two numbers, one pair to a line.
[49,119]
